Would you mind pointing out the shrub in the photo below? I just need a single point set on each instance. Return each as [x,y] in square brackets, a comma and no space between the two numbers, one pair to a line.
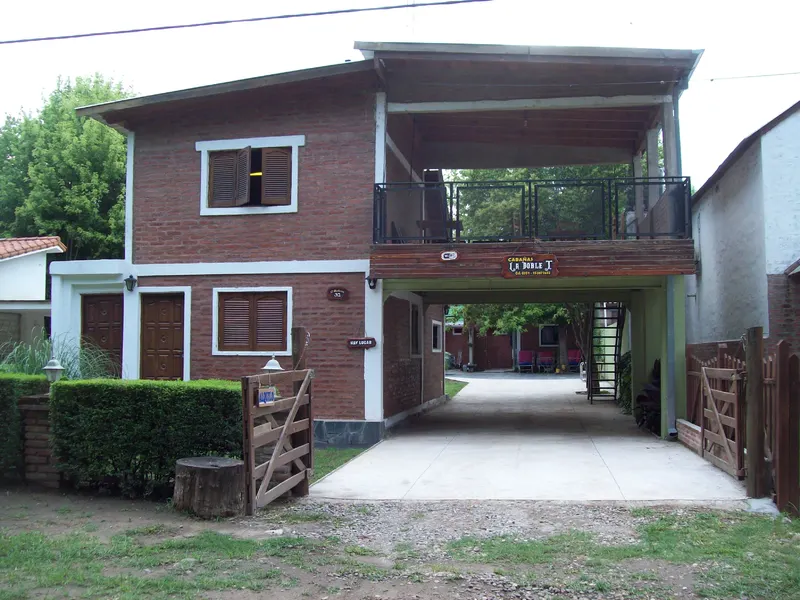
[130,433]
[87,361]
[12,388]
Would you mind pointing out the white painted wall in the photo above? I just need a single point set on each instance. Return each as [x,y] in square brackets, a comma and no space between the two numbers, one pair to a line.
[728,223]
[23,277]
[780,159]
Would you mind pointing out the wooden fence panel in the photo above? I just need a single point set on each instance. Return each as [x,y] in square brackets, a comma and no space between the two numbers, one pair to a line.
[721,439]
[787,430]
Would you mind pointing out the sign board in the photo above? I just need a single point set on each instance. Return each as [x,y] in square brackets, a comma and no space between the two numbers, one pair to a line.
[337,293]
[267,395]
[530,265]
[449,255]
[361,343]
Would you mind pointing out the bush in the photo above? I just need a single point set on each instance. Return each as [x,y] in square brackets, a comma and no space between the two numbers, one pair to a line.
[130,433]
[87,361]
[12,388]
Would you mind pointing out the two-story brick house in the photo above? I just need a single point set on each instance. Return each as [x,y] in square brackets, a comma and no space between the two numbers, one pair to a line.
[246,202]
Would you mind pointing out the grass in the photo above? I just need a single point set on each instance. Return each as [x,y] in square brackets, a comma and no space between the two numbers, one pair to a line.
[330,459]
[452,387]
[736,555]
[127,568]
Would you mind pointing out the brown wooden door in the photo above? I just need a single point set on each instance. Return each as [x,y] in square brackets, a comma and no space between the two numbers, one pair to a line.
[162,336]
[101,324]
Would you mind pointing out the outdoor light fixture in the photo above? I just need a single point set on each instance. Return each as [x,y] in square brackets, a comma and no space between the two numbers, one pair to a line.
[53,369]
[372,282]
[272,365]
[130,282]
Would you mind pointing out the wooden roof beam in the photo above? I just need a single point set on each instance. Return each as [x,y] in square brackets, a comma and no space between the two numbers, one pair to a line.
[528,104]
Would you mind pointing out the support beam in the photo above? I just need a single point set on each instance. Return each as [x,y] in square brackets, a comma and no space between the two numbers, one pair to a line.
[638,190]
[670,141]
[672,430]
[528,104]
[653,170]
[380,137]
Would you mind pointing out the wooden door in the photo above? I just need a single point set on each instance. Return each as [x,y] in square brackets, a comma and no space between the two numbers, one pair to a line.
[162,336]
[101,324]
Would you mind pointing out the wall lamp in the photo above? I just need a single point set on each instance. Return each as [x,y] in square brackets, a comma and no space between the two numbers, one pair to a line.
[372,283]
[130,282]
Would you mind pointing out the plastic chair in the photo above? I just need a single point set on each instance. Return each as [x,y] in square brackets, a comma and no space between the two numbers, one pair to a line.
[525,361]
[546,361]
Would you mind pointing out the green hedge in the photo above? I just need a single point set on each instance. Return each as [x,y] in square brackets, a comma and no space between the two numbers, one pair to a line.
[12,387]
[130,433]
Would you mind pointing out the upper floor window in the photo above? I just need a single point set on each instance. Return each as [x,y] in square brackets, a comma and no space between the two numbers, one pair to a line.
[249,175]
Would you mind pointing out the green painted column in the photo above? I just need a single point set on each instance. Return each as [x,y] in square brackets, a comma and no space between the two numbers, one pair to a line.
[639,366]
[679,291]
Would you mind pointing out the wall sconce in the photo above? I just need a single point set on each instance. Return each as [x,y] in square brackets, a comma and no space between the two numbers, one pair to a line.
[372,283]
[130,282]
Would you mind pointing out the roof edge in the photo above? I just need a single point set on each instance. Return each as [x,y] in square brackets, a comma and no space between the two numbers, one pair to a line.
[99,111]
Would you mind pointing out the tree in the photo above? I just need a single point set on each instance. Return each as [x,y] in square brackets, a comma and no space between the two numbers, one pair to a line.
[509,318]
[65,175]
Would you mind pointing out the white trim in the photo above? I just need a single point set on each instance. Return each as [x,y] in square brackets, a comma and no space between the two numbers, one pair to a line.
[293,141]
[215,351]
[420,326]
[541,345]
[401,157]
[380,137]
[373,358]
[527,104]
[424,407]
[434,323]
[13,305]
[132,329]
[129,199]
[277,267]
[49,250]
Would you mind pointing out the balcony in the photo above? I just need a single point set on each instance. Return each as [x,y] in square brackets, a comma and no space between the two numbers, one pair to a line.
[596,227]
[545,210]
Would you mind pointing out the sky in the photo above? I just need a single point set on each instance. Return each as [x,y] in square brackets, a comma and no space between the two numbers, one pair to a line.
[715,115]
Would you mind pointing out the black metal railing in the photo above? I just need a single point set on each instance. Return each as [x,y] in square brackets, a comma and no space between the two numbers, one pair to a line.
[507,211]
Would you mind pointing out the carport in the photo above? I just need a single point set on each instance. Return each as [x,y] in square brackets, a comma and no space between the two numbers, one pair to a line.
[526,437]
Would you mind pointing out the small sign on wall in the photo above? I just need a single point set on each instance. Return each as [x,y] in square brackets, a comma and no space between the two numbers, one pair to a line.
[267,395]
[448,255]
[531,265]
[338,294]
[361,343]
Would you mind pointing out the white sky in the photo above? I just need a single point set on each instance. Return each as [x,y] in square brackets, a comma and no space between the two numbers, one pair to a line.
[715,116]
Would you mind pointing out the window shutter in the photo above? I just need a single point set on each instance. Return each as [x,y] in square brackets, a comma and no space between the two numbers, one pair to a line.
[276,178]
[270,312]
[222,179]
[234,322]
[242,177]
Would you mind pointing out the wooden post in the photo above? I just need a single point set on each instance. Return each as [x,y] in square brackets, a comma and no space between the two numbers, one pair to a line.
[299,361]
[787,430]
[756,465]
[247,447]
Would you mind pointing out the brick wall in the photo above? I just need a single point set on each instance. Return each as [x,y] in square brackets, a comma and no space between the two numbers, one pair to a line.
[434,361]
[401,373]
[339,384]
[783,301]
[336,172]
[689,435]
[40,465]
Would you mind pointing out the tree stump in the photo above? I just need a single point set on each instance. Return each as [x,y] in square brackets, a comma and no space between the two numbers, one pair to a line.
[209,486]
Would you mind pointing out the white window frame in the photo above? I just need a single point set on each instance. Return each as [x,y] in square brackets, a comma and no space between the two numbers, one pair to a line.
[282,141]
[421,327]
[215,292]
[434,324]
[541,345]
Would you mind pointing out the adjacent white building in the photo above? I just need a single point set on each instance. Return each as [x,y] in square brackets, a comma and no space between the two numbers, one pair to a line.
[24,305]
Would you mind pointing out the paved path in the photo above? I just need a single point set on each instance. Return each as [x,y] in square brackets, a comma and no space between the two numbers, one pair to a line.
[526,437]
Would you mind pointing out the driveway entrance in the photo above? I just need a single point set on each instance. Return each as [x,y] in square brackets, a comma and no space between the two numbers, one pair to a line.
[517,437]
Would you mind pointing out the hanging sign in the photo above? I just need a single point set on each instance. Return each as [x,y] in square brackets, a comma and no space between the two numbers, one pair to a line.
[449,255]
[337,293]
[530,265]
[267,395]
[361,343]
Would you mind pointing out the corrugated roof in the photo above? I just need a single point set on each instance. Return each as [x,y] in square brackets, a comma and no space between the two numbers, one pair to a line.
[743,147]
[12,247]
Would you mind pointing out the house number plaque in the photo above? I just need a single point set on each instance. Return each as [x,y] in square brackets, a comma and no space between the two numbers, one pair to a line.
[338,294]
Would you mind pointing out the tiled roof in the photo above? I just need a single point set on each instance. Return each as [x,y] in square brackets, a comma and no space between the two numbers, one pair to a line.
[10,247]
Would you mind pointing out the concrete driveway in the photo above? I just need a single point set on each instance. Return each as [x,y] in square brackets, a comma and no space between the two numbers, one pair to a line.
[515,437]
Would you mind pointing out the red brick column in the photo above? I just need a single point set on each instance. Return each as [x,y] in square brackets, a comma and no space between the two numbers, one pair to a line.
[40,467]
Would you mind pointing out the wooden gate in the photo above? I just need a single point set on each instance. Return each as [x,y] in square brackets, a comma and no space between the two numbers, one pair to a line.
[722,420]
[276,412]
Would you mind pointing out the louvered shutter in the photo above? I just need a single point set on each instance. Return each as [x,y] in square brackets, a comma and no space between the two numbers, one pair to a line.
[235,322]
[242,177]
[276,176]
[222,179]
[270,310]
